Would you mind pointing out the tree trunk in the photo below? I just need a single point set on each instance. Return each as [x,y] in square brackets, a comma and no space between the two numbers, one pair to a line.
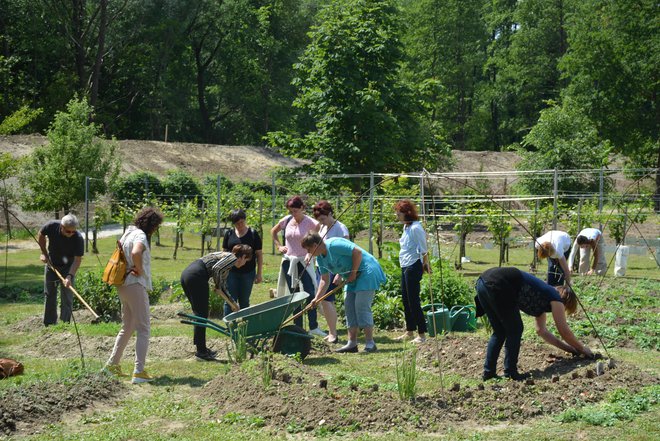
[96,71]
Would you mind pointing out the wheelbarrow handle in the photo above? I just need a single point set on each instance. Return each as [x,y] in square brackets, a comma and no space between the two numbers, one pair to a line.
[206,325]
[308,307]
[196,318]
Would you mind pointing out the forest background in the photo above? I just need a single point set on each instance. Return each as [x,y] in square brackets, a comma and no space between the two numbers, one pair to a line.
[337,81]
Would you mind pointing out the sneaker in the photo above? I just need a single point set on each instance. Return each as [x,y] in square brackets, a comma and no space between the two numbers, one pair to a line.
[317,332]
[370,348]
[347,349]
[405,337]
[418,339]
[206,355]
[113,369]
[141,377]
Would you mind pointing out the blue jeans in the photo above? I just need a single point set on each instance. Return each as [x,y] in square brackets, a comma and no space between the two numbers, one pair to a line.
[507,331]
[555,272]
[308,287]
[240,288]
[357,305]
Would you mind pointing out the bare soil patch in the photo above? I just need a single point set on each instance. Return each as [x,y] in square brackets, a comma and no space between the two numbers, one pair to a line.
[302,399]
[46,402]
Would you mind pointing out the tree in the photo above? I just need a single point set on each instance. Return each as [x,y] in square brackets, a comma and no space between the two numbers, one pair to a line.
[54,175]
[446,41]
[527,41]
[348,81]
[612,68]
[565,139]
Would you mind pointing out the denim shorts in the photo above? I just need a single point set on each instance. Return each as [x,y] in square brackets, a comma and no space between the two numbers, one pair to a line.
[357,305]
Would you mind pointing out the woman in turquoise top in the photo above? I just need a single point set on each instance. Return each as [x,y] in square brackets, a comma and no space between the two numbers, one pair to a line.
[362,274]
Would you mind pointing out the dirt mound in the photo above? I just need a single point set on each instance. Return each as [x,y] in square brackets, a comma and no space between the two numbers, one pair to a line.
[46,402]
[301,399]
[238,163]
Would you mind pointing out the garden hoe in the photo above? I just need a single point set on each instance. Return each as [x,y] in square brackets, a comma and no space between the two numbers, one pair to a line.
[234,307]
[96,316]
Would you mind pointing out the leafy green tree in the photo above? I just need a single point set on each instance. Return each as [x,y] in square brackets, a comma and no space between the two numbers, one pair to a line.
[54,175]
[612,69]
[179,183]
[500,227]
[135,188]
[349,83]
[566,139]
[446,41]
[17,121]
[527,41]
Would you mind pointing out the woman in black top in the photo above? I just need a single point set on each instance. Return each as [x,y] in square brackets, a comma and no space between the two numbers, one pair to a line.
[501,294]
[241,280]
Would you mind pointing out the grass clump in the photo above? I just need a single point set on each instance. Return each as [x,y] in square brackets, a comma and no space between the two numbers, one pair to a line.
[406,374]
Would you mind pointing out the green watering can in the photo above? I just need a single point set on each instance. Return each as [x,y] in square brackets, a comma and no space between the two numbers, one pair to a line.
[442,319]
[463,318]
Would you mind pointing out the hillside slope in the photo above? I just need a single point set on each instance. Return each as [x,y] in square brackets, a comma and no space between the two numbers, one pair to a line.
[237,163]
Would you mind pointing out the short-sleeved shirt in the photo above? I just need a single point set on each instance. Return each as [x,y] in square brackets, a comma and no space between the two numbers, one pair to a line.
[413,244]
[339,260]
[294,232]
[250,238]
[590,233]
[132,236]
[512,286]
[560,241]
[61,249]
[337,230]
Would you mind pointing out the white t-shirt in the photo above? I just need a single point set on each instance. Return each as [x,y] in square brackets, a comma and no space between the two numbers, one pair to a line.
[132,236]
[338,230]
[590,233]
[560,241]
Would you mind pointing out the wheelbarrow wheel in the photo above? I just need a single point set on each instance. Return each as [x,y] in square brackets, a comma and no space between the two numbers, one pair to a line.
[288,344]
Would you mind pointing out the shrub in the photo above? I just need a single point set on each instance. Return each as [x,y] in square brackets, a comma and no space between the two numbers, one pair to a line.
[103,298]
[449,287]
[387,311]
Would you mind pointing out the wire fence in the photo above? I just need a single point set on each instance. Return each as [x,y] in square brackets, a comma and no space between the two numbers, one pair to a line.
[572,199]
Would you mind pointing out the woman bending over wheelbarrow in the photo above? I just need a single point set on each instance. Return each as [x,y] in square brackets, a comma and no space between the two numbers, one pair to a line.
[362,275]
[501,294]
[195,284]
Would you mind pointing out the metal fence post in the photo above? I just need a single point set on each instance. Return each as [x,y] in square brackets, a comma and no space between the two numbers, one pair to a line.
[217,213]
[601,185]
[86,214]
[371,212]
[555,192]
[272,192]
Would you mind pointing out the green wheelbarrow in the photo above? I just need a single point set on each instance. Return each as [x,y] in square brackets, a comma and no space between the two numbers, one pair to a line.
[262,323]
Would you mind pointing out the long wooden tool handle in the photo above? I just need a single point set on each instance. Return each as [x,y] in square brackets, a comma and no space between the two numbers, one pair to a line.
[74,291]
[308,307]
[234,307]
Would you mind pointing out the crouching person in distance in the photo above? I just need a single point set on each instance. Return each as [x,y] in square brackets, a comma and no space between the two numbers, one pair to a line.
[501,294]
[195,284]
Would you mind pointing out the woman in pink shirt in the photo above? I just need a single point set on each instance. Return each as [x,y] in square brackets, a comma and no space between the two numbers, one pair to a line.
[295,226]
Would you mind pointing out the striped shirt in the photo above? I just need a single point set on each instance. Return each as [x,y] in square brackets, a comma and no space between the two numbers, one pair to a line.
[218,265]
